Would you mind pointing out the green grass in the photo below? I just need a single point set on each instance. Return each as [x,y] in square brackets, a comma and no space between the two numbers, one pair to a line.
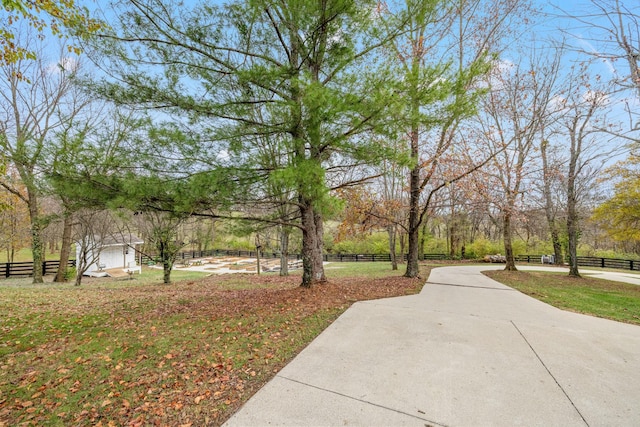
[587,295]
[25,255]
[362,269]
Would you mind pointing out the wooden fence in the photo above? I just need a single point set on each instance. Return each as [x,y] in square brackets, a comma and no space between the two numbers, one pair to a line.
[585,261]
[271,255]
[25,269]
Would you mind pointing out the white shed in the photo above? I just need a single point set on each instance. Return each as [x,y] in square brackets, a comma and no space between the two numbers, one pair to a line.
[110,253]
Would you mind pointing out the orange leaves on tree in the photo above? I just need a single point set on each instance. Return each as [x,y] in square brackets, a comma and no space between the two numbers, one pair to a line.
[364,213]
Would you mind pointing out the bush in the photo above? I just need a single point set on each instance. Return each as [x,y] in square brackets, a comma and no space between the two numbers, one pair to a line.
[375,243]
[481,247]
[70,273]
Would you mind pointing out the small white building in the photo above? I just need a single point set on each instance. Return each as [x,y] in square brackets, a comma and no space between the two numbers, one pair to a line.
[110,255]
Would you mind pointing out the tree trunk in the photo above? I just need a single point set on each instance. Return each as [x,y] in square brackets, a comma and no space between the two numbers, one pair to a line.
[81,262]
[557,246]
[423,238]
[508,247]
[413,268]
[37,246]
[167,265]
[65,250]
[548,208]
[78,281]
[312,268]
[258,259]
[168,257]
[572,227]
[284,251]
[453,242]
[391,230]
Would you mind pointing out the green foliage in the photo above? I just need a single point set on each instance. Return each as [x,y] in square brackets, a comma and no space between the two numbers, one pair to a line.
[59,18]
[374,243]
[481,247]
[584,250]
[70,273]
[287,91]
[620,215]
[236,243]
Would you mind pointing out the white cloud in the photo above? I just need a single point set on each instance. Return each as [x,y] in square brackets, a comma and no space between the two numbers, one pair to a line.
[65,65]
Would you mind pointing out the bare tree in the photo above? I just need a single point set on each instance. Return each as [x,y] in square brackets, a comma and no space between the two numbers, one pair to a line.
[438,99]
[613,29]
[36,98]
[587,126]
[161,230]
[91,228]
[515,111]
[550,176]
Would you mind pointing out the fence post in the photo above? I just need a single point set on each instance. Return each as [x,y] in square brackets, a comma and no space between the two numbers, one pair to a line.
[8,270]
[602,262]
[44,267]
[631,265]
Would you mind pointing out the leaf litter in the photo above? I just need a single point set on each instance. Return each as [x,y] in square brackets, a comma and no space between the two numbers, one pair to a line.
[189,353]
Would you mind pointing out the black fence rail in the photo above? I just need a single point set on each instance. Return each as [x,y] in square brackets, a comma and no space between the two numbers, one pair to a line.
[529,258]
[622,264]
[25,269]
[271,255]
[586,261]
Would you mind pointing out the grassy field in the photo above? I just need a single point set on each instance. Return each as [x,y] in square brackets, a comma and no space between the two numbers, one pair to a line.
[24,255]
[596,297]
[137,352]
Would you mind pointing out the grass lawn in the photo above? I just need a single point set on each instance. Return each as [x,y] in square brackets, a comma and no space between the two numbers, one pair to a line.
[596,297]
[25,255]
[137,352]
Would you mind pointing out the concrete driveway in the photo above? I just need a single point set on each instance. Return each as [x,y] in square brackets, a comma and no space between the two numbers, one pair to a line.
[466,351]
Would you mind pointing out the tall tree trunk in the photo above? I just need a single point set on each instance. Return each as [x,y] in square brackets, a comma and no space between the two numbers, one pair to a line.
[549,208]
[453,242]
[423,239]
[508,246]
[168,257]
[558,258]
[167,265]
[284,251]
[413,268]
[65,251]
[312,268]
[391,230]
[37,245]
[572,224]
[258,260]
[572,197]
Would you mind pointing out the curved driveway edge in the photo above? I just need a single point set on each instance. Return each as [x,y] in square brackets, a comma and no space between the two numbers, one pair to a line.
[466,351]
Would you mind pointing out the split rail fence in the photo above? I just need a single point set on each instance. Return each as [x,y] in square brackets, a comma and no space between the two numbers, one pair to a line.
[25,269]
[274,255]
[585,261]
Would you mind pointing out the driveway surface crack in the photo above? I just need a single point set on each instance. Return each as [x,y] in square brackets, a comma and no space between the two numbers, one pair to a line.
[469,286]
[431,423]
[549,372]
